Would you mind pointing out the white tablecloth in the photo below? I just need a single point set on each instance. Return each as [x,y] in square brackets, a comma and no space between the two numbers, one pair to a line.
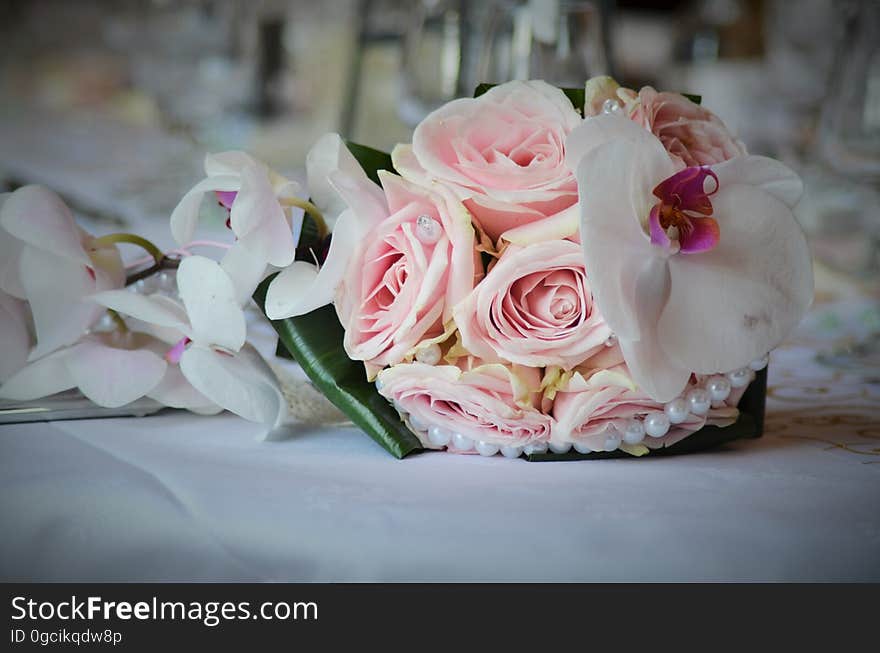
[178,496]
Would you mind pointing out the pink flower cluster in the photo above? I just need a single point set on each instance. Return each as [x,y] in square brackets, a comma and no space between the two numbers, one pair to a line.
[468,299]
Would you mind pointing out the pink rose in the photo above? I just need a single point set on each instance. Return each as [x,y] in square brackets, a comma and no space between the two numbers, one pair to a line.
[688,131]
[602,410]
[593,411]
[534,307]
[406,274]
[496,405]
[504,155]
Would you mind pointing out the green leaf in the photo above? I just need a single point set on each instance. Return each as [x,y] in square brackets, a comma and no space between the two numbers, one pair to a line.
[696,99]
[577,96]
[309,237]
[371,160]
[315,341]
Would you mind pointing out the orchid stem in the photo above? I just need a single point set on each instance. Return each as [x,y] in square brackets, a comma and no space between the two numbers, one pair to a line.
[112,239]
[313,211]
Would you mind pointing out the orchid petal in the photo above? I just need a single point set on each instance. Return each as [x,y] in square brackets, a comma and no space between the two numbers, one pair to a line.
[597,131]
[323,289]
[327,156]
[246,269]
[736,302]
[44,377]
[112,376]
[158,310]
[175,391]
[294,286]
[259,221]
[658,375]
[606,181]
[230,163]
[55,288]
[241,383]
[769,175]
[38,217]
[15,338]
[209,296]
[362,196]
[10,262]
[186,214]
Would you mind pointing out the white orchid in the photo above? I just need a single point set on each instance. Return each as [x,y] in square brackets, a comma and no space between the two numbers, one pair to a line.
[15,335]
[265,214]
[211,354]
[55,265]
[698,269]
[336,181]
[111,369]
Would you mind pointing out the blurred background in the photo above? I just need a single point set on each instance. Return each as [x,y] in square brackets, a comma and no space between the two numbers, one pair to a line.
[113,103]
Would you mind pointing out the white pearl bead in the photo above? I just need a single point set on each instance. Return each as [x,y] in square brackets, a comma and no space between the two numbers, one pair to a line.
[611,106]
[633,432]
[718,387]
[535,447]
[487,448]
[611,443]
[699,401]
[438,436]
[462,442]
[657,424]
[379,384]
[417,423]
[676,410]
[582,447]
[428,230]
[760,363]
[166,282]
[560,447]
[106,323]
[611,340]
[429,355]
[739,378]
[511,452]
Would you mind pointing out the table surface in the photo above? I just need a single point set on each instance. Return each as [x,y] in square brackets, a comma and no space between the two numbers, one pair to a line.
[183,497]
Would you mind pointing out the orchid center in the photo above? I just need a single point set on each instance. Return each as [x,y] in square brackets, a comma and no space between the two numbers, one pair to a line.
[681,221]
[173,355]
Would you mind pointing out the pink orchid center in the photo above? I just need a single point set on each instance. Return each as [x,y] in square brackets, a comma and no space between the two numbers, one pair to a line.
[225,198]
[681,221]
[173,355]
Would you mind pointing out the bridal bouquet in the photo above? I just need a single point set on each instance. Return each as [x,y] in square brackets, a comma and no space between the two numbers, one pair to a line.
[543,271]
